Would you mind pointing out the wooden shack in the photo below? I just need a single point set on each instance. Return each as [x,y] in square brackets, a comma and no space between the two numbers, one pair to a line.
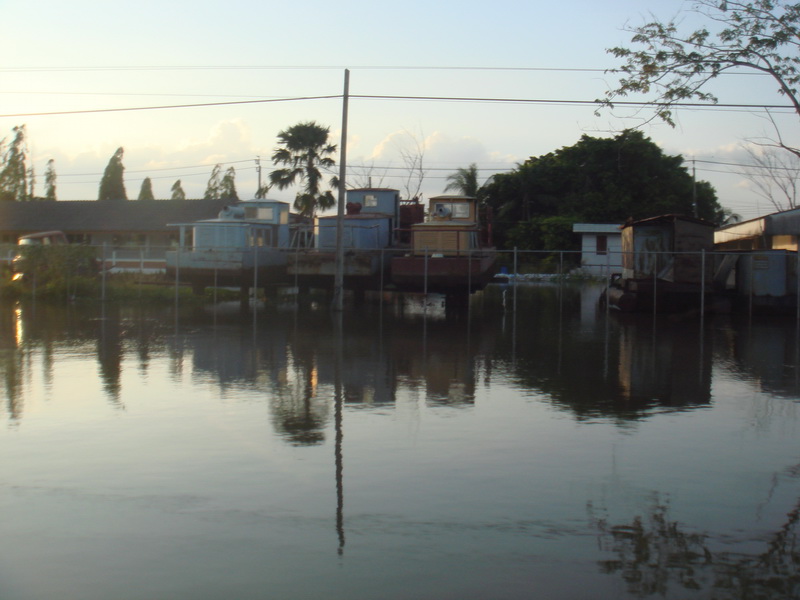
[669,247]
[666,264]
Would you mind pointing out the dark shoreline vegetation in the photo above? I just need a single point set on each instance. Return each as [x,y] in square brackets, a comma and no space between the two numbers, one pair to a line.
[73,273]
[119,287]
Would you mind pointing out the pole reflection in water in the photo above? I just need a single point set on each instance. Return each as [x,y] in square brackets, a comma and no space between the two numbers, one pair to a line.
[337,415]
[492,453]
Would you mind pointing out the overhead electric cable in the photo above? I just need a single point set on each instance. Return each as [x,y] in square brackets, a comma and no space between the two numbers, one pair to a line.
[204,104]
[56,69]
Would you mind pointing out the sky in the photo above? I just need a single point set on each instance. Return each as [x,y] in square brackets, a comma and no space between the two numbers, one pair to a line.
[282,58]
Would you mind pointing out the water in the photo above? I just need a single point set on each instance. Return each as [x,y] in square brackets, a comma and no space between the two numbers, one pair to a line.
[406,452]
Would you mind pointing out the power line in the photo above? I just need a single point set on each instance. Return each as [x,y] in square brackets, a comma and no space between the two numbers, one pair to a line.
[230,162]
[168,106]
[469,99]
[51,69]
[57,69]
[568,102]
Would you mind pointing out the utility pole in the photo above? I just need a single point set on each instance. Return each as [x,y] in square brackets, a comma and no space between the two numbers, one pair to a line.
[338,280]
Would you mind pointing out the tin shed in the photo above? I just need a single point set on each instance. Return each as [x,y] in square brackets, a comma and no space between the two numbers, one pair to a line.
[669,246]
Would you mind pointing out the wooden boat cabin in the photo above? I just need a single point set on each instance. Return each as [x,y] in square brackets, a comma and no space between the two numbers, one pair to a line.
[245,246]
[448,252]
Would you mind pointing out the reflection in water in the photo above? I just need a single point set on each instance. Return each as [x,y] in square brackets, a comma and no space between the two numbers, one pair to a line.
[514,415]
[655,555]
[623,366]
[766,352]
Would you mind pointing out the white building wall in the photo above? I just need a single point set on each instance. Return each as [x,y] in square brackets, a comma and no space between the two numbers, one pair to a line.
[600,264]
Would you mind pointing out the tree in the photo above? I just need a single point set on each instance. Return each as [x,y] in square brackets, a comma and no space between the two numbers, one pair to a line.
[177,191]
[761,36]
[112,185]
[227,187]
[599,180]
[464,181]
[304,150]
[31,183]
[775,175]
[13,172]
[212,188]
[263,190]
[366,176]
[414,159]
[50,180]
[146,191]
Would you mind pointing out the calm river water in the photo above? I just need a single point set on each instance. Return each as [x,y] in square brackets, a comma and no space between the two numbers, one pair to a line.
[543,452]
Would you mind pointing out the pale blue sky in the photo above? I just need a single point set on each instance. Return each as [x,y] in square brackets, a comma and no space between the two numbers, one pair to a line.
[90,47]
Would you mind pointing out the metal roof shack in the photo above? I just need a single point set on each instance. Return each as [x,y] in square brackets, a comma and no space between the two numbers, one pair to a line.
[667,246]
[118,223]
[776,231]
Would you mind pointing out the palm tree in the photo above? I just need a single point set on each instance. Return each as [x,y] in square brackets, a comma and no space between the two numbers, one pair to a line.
[304,149]
[464,181]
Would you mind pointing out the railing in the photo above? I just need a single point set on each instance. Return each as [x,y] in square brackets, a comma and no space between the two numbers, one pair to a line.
[705,269]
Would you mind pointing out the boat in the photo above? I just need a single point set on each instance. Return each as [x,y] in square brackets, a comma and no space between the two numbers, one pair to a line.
[245,246]
[369,228]
[449,252]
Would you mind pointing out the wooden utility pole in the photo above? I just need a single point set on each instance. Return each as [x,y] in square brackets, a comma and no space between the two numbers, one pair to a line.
[338,280]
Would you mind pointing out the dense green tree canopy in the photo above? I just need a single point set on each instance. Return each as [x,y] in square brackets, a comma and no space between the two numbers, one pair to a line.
[303,150]
[112,185]
[599,180]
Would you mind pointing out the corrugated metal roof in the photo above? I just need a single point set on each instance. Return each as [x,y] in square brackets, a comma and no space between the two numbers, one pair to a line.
[596,227]
[93,216]
[786,222]
[783,223]
[671,218]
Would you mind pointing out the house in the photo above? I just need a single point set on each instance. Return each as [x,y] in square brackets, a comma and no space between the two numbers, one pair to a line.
[601,247]
[134,226]
[776,231]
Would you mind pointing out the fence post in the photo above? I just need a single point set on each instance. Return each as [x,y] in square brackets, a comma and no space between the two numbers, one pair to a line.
[752,285]
[703,283]
[608,282]
[380,289]
[255,276]
[515,265]
[655,284]
[103,288]
[469,273]
[215,286]
[425,279]
[177,271]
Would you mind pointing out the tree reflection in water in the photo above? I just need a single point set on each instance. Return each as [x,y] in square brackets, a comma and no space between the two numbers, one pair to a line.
[657,556]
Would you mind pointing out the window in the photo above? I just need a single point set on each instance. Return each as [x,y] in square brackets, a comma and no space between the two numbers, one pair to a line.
[456,210]
[461,210]
[601,244]
[261,213]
